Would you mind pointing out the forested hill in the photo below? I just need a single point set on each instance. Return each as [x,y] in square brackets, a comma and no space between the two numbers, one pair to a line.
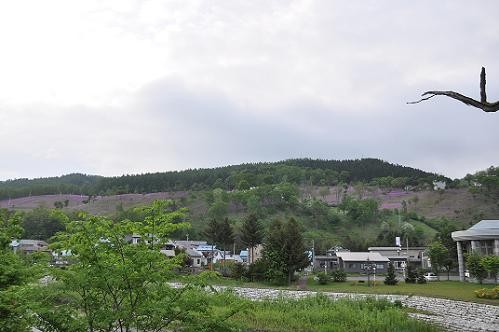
[297,171]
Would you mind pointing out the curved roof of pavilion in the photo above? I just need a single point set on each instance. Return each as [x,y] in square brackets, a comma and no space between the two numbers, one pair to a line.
[484,230]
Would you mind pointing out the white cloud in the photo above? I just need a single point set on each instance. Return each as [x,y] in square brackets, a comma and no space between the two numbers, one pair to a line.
[112,87]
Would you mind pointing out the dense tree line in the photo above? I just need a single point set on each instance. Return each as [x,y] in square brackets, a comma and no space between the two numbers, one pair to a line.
[245,176]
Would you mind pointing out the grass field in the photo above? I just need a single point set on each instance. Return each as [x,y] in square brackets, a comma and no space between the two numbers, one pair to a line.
[317,313]
[454,290]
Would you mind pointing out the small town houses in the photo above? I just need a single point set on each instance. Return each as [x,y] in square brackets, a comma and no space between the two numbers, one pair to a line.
[202,254]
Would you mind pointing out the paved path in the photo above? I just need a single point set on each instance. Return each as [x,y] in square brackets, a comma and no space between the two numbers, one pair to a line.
[453,315]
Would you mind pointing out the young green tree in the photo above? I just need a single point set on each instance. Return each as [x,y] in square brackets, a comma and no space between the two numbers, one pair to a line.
[251,234]
[390,278]
[474,264]
[438,255]
[491,264]
[114,285]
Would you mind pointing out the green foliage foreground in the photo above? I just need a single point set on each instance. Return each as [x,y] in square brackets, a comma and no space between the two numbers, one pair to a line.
[320,313]
[114,285]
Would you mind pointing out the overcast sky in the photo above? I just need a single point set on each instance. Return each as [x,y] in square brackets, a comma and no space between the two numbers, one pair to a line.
[122,87]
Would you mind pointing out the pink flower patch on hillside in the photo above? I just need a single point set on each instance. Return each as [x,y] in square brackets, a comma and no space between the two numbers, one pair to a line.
[390,206]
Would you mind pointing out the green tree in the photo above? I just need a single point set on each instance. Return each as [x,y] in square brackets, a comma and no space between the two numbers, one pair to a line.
[285,250]
[491,265]
[251,234]
[438,255]
[218,209]
[445,230]
[295,250]
[412,275]
[212,232]
[226,235]
[360,211]
[390,278]
[114,285]
[475,267]
[13,276]
[273,253]
[243,185]
[42,223]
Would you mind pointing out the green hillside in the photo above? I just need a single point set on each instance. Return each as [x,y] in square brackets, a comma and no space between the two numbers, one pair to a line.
[296,171]
[357,203]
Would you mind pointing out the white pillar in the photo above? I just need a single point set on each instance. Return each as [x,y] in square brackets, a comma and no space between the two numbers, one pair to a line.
[460,260]
[496,247]
[475,246]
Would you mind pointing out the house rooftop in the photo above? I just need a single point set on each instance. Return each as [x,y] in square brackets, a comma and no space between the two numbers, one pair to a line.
[486,224]
[483,230]
[206,247]
[362,256]
[193,253]
[395,248]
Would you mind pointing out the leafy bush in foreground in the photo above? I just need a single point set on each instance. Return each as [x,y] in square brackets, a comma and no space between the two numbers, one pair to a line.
[319,313]
[485,293]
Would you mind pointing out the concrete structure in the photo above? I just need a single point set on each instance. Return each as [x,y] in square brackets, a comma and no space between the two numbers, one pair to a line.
[439,185]
[29,246]
[255,253]
[328,262]
[188,244]
[244,255]
[400,256]
[482,238]
[197,258]
[325,263]
[356,261]
[219,257]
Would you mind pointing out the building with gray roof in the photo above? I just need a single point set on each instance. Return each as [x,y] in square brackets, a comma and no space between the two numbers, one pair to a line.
[482,238]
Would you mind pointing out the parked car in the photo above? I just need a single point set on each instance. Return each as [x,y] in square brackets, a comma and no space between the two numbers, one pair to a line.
[430,276]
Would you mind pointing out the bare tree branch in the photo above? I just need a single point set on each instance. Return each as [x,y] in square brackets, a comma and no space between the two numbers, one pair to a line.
[483,104]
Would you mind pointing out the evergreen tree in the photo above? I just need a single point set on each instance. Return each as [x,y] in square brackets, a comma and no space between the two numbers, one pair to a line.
[273,252]
[295,250]
[390,278]
[251,234]
[226,235]
[421,279]
[412,275]
[285,250]
[212,233]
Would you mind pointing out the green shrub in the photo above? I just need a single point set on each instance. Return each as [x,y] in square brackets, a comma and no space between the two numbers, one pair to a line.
[256,270]
[421,279]
[323,278]
[339,276]
[238,270]
[487,293]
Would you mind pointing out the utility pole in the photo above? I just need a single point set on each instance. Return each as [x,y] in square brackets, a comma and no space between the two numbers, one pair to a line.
[313,254]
